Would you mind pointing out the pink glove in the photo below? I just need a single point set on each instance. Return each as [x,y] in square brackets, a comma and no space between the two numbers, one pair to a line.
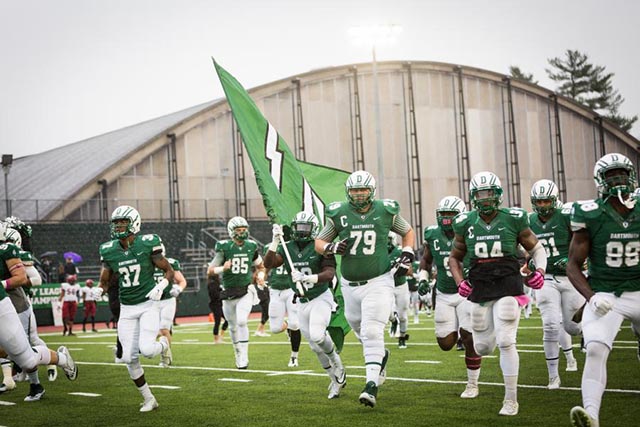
[535,280]
[464,288]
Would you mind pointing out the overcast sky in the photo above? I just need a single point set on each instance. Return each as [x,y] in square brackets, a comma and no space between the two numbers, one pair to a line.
[74,69]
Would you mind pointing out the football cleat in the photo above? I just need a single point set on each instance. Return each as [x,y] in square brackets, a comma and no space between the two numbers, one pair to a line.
[554,383]
[149,405]
[402,341]
[509,408]
[393,328]
[470,392]
[4,387]
[572,365]
[580,418]
[166,357]
[459,345]
[293,362]
[369,394]
[70,368]
[52,372]
[338,382]
[36,391]
[383,368]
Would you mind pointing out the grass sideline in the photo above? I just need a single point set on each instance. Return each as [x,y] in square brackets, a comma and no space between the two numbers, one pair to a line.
[203,388]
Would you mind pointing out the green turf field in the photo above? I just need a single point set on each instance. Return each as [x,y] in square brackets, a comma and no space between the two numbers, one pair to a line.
[203,388]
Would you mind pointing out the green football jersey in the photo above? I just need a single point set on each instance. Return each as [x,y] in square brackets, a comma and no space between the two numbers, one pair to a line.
[367,255]
[306,260]
[279,278]
[614,257]
[241,260]
[395,253]
[555,236]
[499,239]
[158,275]
[134,266]
[7,251]
[440,247]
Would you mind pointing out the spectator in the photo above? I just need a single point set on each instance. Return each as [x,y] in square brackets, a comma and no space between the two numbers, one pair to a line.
[70,267]
[215,305]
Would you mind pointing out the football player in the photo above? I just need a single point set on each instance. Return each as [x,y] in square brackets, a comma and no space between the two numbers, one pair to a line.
[134,257]
[452,311]
[168,301]
[363,224]
[69,292]
[233,261]
[489,235]
[400,296]
[14,342]
[607,231]
[558,300]
[281,303]
[314,274]
[414,297]
[89,306]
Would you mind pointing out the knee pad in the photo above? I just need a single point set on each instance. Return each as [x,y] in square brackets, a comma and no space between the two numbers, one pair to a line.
[572,328]
[483,348]
[241,323]
[148,349]
[372,334]
[508,309]
[317,337]
[135,370]
[550,331]
[480,318]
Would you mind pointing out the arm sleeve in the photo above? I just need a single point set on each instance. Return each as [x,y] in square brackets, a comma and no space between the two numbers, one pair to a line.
[33,276]
[400,225]
[329,232]
[217,260]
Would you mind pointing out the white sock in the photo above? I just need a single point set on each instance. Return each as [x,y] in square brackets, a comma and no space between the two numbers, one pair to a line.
[511,387]
[472,376]
[552,354]
[294,354]
[594,378]
[373,372]
[145,391]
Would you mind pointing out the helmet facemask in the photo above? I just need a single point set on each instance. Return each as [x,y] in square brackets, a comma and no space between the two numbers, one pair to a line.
[615,175]
[361,189]
[486,200]
[303,230]
[445,219]
[125,221]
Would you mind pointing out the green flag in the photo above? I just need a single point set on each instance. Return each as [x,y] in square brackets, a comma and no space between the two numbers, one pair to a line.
[287,185]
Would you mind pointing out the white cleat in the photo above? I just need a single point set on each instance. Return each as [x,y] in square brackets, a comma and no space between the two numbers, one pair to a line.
[335,387]
[149,405]
[554,383]
[470,392]
[580,418]
[166,357]
[509,408]
[572,365]
[7,386]
[293,362]
[70,368]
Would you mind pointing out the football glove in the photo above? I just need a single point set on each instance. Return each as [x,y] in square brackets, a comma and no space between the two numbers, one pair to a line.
[155,294]
[403,263]
[96,292]
[535,280]
[175,291]
[464,288]
[600,304]
[338,248]
[276,232]
[423,288]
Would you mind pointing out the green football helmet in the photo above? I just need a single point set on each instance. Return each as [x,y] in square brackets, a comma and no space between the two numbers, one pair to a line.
[238,222]
[304,227]
[485,192]
[449,204]
[544,189]
[358,180]
[127,213]
[619,184]
[19,225]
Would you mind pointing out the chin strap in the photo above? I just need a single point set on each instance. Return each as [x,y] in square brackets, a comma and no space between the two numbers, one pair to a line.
[629,203]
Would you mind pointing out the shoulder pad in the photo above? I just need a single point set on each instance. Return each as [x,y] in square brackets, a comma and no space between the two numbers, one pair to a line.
[391,206]
[175,264]
[220,244]
[428,232]
[333,207]
[587,208]
[150,239]
[107,245]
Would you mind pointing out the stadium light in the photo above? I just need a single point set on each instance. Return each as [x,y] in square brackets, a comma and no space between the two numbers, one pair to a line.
[7,161]
[373,36]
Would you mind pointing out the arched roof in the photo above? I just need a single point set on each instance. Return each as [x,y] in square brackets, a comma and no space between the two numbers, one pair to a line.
[60,173]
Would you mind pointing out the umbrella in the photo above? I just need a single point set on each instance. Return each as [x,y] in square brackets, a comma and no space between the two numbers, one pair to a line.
[49,254]
[76,258]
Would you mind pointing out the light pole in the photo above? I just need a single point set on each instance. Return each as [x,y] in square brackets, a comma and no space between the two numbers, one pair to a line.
[7,160]
[376,35]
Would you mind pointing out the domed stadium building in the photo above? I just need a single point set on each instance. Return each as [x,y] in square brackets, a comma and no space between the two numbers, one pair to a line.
[187,172]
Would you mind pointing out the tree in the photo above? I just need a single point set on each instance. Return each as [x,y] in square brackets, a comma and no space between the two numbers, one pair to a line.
[590,85]
[517,73]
